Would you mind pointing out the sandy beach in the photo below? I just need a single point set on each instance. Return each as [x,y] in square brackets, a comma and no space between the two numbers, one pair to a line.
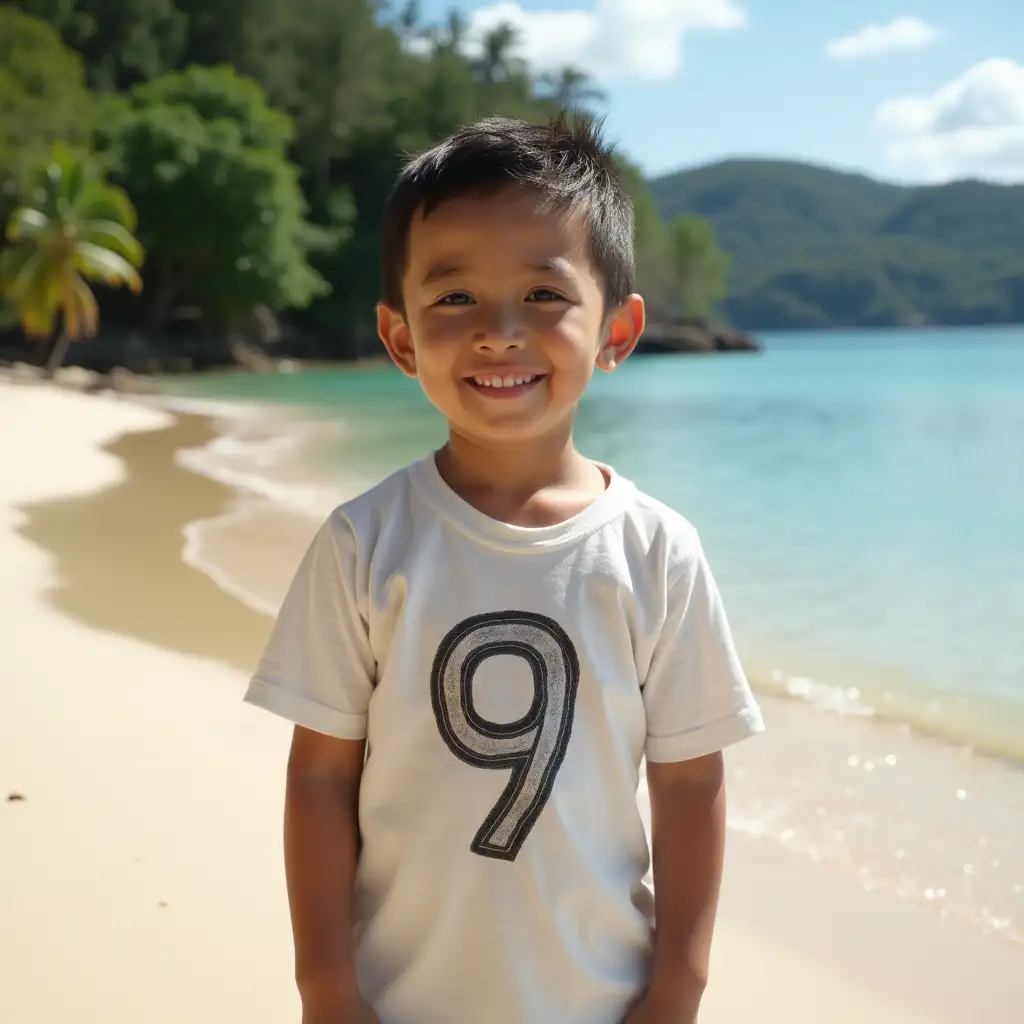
[140,799]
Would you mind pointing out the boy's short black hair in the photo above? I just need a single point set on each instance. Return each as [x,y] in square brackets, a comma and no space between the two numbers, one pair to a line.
[565,161]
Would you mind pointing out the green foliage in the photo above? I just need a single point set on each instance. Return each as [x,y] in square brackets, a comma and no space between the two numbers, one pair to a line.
[813,248]
[123,41]
[253,195]
[679,268]
[42,100]
[220,208]
[695,264]
[75,228]
[259,140]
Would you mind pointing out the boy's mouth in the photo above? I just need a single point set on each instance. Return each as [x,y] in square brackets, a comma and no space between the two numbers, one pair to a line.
[504,385]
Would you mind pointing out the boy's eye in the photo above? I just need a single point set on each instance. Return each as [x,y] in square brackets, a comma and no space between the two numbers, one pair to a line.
[544,295]
[454,299]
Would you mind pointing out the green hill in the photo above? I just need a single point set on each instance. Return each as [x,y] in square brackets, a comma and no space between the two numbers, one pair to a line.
[813,247]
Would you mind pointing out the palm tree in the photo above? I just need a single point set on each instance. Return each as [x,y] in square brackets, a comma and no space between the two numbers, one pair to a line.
[572,88]
[456,28]
[75,228]
[496,62]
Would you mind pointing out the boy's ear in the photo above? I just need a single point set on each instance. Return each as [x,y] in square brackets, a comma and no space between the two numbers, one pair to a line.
[397,338]
[623,332]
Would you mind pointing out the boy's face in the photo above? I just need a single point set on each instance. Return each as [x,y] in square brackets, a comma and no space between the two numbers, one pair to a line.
[499,291]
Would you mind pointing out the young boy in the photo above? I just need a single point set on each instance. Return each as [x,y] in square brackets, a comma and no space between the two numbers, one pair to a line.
[478,653]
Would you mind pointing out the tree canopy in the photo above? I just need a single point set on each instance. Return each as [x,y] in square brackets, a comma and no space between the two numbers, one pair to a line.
[43,100]
[220,208]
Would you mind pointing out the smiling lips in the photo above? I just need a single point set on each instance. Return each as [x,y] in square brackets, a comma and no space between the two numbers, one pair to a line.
[504,384]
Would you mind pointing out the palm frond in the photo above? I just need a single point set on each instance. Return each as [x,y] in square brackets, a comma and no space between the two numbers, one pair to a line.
[108,234]
[106,266]
[24,267]
[26,222]
[88,310]
[40,277]
[50,190]
[37,302]
[69,305]
[100,201]
[12,261]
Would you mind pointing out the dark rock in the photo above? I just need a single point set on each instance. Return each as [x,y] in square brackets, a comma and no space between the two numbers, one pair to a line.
[695,336]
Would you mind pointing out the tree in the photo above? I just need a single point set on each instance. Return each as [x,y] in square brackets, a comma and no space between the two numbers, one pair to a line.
[215,31]
[456,26]
[571,88]
[649,240]
[696,266]
[42,100]
[122,41]
[220,208]
[327,64]
[76,228]
[497,61]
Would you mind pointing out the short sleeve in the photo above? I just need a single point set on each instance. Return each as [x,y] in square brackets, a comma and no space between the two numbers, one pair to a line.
[318,669]
[696,695]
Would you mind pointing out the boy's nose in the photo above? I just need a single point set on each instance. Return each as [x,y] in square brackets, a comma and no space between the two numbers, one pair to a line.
[498,343]
[502,333]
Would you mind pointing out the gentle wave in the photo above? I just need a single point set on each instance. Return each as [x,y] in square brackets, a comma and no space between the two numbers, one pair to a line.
[981,724]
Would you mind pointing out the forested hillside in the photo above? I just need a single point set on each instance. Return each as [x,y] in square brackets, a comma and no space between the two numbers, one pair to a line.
[812,247]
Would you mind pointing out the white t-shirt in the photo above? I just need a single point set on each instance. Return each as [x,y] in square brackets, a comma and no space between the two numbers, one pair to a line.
[509,682]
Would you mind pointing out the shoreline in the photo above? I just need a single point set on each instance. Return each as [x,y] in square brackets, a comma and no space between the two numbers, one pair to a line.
[825,788]
[268,490]
[163,646]
[835,791]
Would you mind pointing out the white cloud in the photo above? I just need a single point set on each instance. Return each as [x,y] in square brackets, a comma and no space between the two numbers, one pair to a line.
[972,126]
[612,39]
[874,40]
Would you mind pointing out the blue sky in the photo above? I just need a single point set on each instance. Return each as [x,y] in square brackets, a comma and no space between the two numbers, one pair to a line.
[926,92]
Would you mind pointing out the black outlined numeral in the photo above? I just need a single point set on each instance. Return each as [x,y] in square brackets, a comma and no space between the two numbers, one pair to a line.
[534,746]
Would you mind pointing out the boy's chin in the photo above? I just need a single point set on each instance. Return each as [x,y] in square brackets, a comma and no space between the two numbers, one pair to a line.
[504,431]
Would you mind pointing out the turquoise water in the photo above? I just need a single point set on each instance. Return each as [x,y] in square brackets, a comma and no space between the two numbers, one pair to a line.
[860,495]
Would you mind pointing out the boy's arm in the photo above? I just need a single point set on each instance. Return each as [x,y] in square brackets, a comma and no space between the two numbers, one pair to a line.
[321,852]
[688,843]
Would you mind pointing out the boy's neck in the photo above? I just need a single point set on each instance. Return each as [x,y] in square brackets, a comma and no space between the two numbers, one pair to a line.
[536,484]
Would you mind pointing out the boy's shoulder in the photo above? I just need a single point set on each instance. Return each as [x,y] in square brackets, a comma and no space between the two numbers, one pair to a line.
[661,528]
[367,509]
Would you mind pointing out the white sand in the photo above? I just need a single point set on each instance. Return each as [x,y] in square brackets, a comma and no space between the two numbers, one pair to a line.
[142,878]
[145,782]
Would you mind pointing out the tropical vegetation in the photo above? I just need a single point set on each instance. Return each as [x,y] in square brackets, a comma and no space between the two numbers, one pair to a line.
[257,140]
[77,228]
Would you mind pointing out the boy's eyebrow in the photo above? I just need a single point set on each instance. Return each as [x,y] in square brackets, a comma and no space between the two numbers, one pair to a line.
[558,265]
[439,271]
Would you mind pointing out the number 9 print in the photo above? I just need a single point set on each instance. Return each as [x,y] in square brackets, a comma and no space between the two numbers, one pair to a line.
[534,746]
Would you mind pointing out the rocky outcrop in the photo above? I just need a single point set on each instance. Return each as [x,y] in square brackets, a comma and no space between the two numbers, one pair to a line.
[695,336]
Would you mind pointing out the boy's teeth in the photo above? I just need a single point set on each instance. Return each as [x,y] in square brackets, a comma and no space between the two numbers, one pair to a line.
[502,382]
